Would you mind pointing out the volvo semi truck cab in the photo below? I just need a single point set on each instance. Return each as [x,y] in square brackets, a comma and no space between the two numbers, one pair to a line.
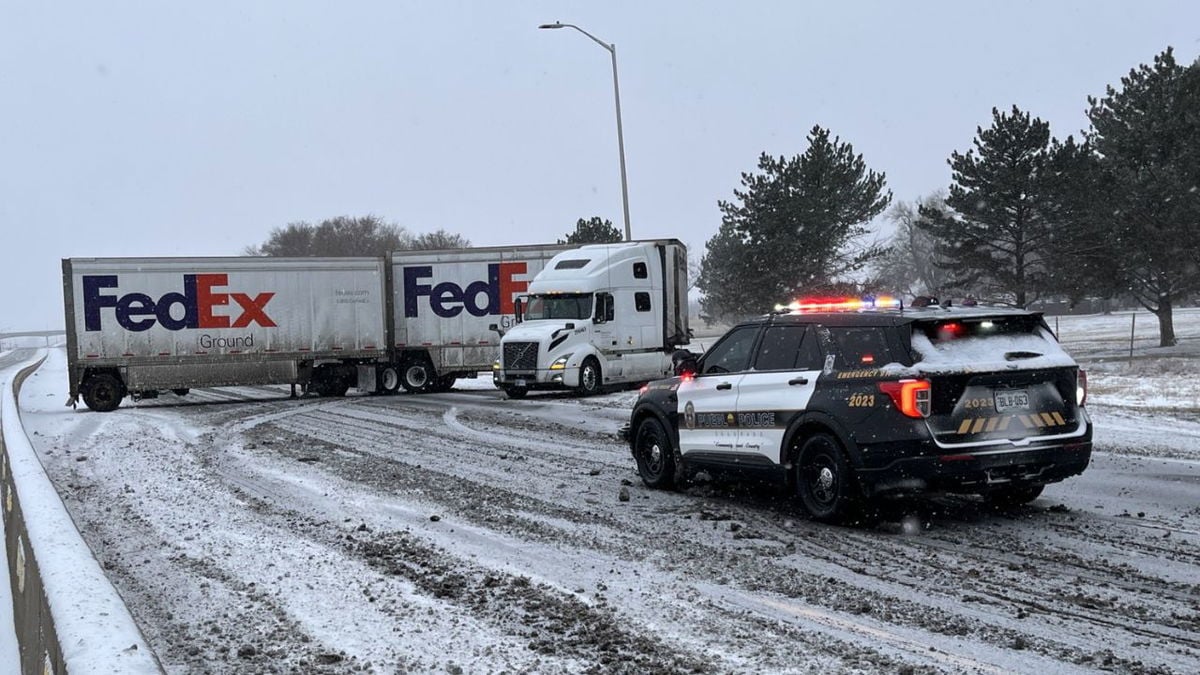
[596,316]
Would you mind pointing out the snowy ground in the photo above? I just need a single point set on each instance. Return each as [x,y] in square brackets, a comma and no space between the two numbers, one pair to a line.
[463,532]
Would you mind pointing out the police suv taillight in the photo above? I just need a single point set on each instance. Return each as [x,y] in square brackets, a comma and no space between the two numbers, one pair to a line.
[911,397]
[1081,388]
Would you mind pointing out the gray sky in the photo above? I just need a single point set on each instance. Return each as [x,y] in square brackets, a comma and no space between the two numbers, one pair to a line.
[150,128]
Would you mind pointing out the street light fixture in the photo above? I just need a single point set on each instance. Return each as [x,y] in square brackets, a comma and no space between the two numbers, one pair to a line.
[612,50]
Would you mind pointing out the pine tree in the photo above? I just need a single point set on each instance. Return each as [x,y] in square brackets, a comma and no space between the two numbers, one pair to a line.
[1147,135]
[995,239]
[593,231]
[793,229]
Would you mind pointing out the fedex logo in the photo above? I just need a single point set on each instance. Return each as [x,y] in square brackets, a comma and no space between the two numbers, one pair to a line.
[479,298]
[200,298]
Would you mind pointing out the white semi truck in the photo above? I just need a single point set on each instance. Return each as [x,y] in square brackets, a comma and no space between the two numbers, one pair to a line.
[417,319]
[598,315]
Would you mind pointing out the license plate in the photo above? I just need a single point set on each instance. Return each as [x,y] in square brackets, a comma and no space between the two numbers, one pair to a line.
[1011,399]
[519,383]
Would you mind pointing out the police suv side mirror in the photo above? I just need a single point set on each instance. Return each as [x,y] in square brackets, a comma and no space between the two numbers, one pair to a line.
[685,362]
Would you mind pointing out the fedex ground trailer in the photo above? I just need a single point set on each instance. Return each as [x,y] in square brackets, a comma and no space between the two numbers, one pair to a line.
[144,326]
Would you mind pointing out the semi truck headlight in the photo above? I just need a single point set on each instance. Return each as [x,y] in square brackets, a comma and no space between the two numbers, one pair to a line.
[496,364]
[560,363]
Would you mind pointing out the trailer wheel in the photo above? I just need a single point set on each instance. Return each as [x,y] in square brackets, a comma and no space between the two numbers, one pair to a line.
[417,377]
[327,381]
[589,378]
[444,383]
[388,380]
[103,392]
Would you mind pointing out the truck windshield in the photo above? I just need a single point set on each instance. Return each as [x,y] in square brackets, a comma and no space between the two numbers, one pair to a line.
[559,306]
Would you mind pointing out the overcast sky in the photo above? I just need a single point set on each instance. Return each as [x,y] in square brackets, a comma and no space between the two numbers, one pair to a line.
[152,128]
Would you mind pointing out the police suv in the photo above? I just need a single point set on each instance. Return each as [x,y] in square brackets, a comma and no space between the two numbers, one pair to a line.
[844,400]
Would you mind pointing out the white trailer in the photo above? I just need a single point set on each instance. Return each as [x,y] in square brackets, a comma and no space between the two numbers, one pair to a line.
[139,326]
[598,315]
[450,308]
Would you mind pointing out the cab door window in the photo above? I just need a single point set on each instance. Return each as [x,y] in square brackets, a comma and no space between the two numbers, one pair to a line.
[732,353]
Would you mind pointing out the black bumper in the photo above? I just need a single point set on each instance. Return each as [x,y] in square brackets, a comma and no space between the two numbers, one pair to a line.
[978,471]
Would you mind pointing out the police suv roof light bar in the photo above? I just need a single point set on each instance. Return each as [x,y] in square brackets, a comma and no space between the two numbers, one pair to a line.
[840,304]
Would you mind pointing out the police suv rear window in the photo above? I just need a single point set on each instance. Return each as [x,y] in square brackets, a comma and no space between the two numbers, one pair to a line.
[947,330]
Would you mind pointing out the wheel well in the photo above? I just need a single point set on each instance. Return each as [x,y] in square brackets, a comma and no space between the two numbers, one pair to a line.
[640,416]
[92,372]
[806,429]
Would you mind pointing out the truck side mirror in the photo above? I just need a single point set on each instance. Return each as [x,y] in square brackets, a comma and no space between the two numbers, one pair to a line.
[518,309]
[495,328]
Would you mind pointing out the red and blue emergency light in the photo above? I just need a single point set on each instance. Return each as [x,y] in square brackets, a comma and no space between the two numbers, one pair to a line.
[844,304]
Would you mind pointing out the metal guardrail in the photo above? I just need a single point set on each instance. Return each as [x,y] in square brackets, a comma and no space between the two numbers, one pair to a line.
[39,642]
[37,638]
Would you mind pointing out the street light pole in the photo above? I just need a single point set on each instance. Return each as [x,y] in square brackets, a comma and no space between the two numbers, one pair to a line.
[612,51]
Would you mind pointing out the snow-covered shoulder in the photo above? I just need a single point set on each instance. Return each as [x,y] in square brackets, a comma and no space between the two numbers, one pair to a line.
[993,352]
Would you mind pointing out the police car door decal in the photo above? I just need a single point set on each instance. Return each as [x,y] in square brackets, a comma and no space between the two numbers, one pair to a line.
[786,369]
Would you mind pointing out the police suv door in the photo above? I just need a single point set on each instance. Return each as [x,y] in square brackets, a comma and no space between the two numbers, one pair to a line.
[708,401]
[785,371]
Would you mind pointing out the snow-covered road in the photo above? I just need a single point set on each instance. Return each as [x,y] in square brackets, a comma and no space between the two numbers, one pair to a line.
[463,532]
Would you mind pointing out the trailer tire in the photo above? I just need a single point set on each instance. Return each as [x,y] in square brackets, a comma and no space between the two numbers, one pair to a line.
[590,380]
[444,383]
[103,392]
[328,382]
[515,392]
[417,376]
[388,380]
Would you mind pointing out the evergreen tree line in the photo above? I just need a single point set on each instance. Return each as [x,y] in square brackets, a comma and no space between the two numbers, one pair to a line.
[1026,217]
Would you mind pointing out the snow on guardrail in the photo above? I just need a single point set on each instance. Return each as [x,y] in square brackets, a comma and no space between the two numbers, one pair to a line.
[69,618]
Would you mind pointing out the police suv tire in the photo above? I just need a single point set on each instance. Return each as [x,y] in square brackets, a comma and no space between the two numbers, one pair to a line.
[654,454]
[824,482]
[417,377]
[515,392]
[589,377]
[103,392]
[1010,496]
[387,380]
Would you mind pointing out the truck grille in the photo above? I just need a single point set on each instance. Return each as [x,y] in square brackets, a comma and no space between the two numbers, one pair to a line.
[520,356]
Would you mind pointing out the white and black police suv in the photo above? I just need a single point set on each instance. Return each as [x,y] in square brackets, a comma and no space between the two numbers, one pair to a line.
[846,400]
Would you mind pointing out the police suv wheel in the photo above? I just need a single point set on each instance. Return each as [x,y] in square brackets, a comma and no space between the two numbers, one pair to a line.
[655,455]
[589,377]
[103,392]
[417,377]
[823,480]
